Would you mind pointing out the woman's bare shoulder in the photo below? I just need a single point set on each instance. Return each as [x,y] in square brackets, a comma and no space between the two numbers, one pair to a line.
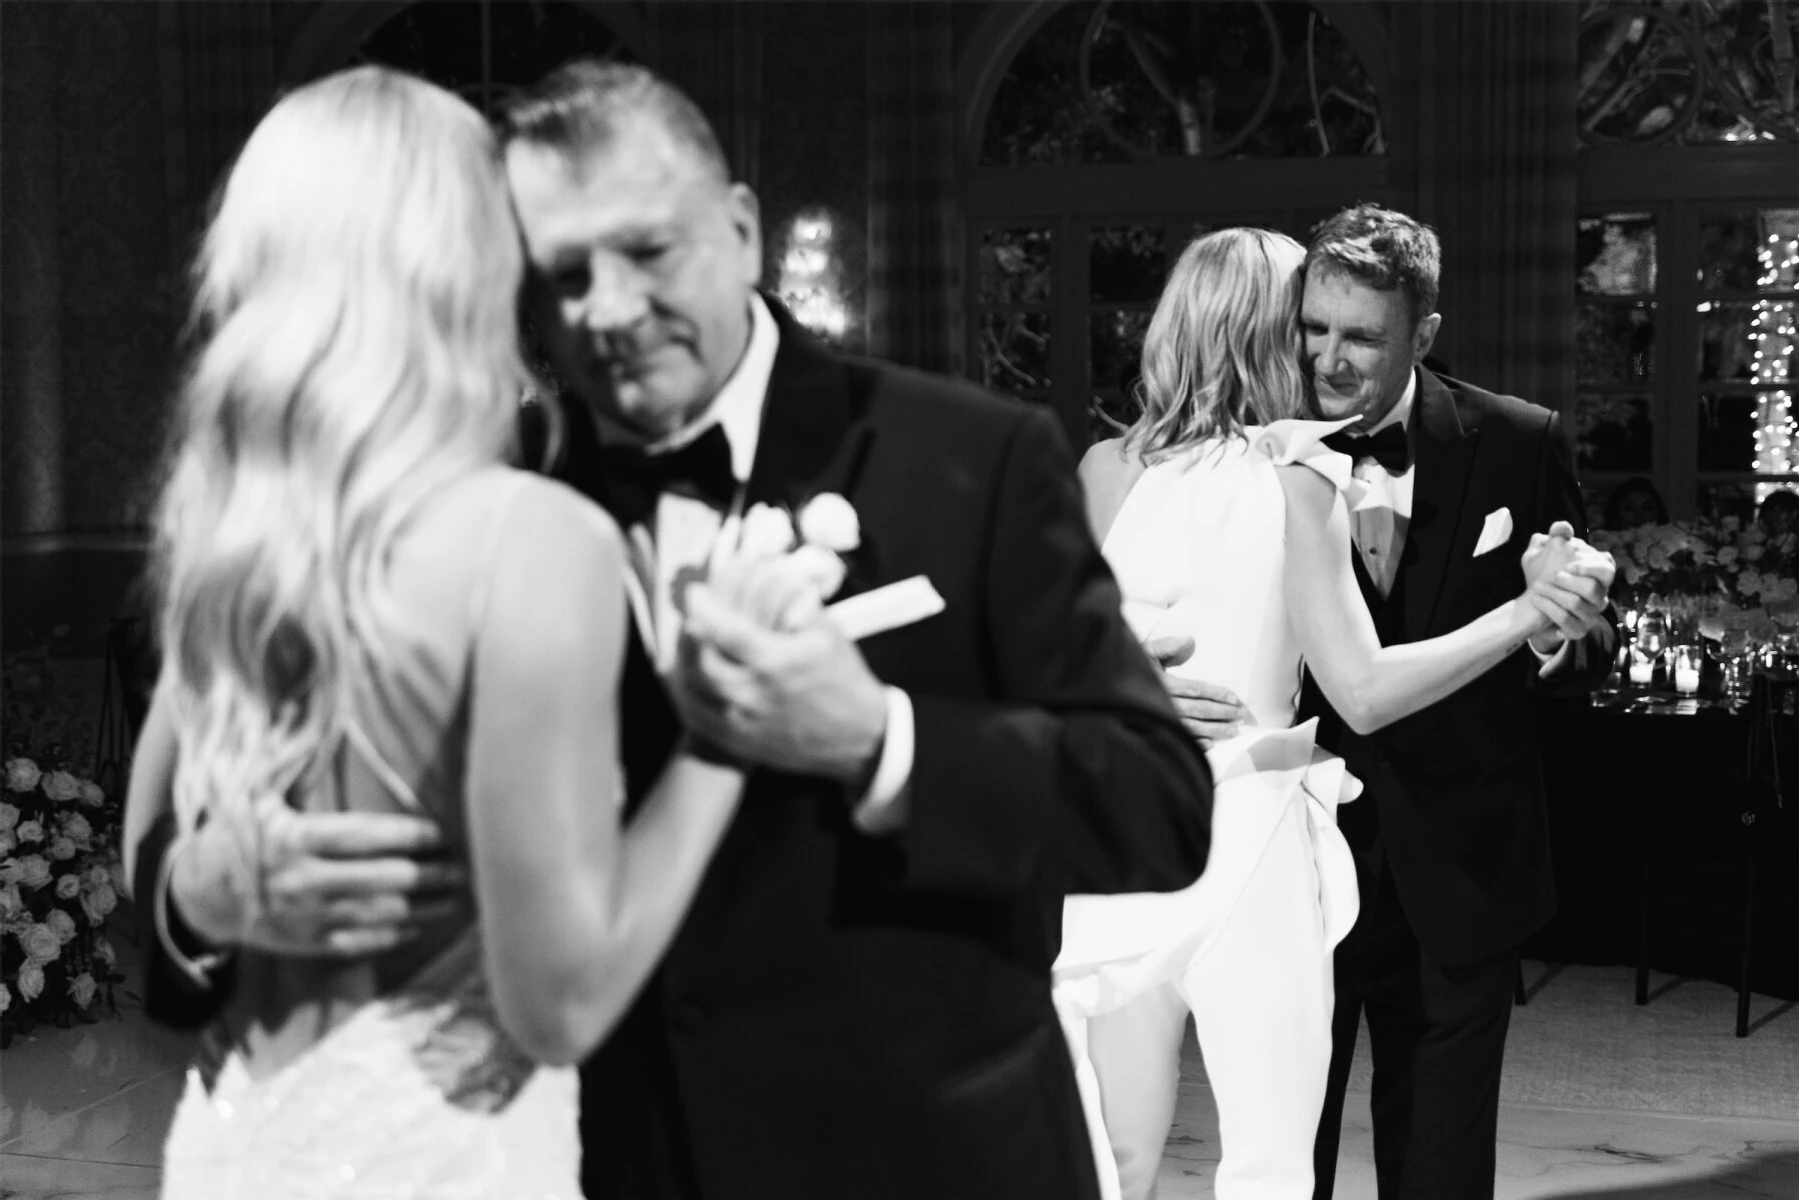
[1108,471]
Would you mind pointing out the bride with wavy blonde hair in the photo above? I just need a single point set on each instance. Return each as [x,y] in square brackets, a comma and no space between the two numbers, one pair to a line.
[363,607]
[1226,521]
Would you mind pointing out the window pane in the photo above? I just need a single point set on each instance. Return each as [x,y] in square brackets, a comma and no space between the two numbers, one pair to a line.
[1119,410]
[1737,427]
[1015,351]
[1615,343]
[1750,251]
[1125,262]
[1613,432]
[1228,77]
[1115,347]
[1747,341]
[1015,266]
[1616,254]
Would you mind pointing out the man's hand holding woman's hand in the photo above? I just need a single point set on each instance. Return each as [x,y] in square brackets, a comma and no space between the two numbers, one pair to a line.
[1566,581]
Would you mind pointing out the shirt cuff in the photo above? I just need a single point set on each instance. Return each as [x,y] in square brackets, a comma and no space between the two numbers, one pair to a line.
[883,808]
[1555,659]
[198,970]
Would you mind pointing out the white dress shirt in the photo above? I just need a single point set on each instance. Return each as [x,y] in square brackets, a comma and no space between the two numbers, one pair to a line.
[687,528]
[1381,519]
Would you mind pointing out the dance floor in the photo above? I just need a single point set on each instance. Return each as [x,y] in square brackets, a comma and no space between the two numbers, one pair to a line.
[1601,1099]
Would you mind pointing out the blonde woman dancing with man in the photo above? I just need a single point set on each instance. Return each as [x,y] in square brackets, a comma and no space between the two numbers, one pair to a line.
[1226,519]
[365,610]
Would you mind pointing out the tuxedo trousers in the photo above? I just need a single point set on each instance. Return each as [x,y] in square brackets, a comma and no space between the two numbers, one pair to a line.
[1260,997]
[1437,1036]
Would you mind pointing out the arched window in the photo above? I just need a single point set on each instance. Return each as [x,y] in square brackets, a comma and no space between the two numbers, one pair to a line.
[1688,264]
[1103,136]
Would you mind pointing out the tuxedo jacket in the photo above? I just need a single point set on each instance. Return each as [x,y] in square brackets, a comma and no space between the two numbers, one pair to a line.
[845,1015]
[1454,805]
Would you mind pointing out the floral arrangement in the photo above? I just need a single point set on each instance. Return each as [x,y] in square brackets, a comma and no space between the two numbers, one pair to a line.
[60,871]
[1722,574]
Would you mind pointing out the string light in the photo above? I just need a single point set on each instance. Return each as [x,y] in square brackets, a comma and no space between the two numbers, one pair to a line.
[1774,333]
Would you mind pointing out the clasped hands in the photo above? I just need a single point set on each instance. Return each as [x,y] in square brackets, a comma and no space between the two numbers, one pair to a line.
[764,678]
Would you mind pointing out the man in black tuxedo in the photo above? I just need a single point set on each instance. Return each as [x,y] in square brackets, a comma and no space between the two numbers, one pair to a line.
[859,1002]
[1450,836]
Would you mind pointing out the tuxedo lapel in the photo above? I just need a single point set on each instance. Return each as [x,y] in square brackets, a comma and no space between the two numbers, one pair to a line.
[805,445]
[1445,452]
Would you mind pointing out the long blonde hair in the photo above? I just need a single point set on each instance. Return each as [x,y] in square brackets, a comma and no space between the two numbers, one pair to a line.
[355,326]
[1222,350]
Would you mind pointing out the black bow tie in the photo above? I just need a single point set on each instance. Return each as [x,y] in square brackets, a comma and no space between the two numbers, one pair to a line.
[630,482]
[1389,447]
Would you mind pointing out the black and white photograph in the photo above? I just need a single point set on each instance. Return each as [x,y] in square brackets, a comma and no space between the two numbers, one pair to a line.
[899,599]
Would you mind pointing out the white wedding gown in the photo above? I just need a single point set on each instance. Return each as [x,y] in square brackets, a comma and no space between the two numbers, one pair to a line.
[1198,550]
[333,1081]
[418,1095]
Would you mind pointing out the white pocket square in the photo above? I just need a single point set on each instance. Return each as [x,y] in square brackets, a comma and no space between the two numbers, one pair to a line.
[889,607]
[1496,532]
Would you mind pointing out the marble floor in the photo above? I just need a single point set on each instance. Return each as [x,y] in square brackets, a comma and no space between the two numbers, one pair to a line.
[83,1111]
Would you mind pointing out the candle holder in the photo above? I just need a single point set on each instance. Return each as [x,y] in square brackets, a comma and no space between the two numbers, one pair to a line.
[1684,663]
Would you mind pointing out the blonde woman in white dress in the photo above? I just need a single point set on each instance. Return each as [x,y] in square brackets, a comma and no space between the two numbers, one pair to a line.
[1226,520]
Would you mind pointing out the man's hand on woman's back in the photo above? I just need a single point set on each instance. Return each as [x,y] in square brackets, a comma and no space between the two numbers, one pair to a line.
[314,884]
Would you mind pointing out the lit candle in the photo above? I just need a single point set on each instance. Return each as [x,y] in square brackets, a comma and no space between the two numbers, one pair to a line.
[1642,670]
[1687,660]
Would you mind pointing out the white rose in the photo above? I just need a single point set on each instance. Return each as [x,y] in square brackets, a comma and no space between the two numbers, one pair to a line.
[5,998]
[97,876]
[62,787]
[62,849]
[30,831]
[8,841]
[22,775]
[12,903]
[9,813]
[68,887]
[82,989]
[41,943]
[92,794]
[767,531]
[37,870]
[31,980]
[830,521]
[99,902]
[77,829]
[62,925]
[105,953]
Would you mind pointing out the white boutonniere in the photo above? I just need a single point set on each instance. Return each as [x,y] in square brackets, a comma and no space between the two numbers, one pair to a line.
[796,560]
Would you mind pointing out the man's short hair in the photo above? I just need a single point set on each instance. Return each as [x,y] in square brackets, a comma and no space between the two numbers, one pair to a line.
[1383,249]
[581,108]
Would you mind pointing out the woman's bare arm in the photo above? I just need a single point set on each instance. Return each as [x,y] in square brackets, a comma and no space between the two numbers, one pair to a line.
[577,907]
[1370,685]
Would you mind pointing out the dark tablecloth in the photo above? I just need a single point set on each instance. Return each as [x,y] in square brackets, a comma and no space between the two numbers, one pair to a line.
[1694,792]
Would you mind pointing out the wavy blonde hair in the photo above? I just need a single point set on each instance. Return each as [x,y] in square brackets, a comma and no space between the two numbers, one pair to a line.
[355,350]
[1222,350]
